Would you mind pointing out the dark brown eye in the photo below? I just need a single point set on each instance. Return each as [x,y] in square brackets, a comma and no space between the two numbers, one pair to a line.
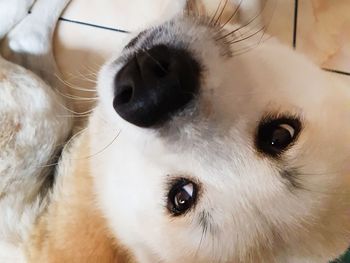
[182,196]
[274,136]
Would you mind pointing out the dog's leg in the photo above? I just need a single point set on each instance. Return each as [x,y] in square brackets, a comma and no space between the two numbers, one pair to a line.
[12,12]
[30,42]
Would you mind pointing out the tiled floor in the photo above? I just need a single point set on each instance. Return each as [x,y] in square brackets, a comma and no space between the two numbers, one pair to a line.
[324,32]
[318,28]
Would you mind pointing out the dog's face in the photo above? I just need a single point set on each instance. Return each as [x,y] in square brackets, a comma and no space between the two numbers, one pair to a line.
[206,149]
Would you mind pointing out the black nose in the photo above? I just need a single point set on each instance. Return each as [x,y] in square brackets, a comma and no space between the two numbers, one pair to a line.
[155,84]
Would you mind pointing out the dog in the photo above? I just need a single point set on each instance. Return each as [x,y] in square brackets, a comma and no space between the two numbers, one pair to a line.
[202,147]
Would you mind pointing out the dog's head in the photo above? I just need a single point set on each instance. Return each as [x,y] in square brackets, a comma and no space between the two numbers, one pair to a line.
[206,148]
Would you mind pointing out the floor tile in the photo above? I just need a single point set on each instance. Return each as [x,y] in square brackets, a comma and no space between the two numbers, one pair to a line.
[324,32]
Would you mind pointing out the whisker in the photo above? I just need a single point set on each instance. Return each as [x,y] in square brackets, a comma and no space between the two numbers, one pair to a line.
[70,85]
[106,123]
[103,149]
[249,48]
[216,11]
[69,110]
[221,12]
[96,64]
[69,142]
[237,29]
[244,25]
[82,89]
[66,144]
[247,37]
[74,116]
[74,97]
[267,25]
[84,76]
[78,98]
[93,71]
[232,16]
[86,112]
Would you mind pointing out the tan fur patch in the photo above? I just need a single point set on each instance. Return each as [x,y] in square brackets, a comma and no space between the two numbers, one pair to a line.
[73,230]
[2,76]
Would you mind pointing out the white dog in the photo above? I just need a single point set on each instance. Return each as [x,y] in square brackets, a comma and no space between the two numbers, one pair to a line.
[202,148]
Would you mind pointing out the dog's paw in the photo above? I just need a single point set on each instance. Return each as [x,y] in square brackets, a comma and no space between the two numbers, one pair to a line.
[29,37]
[12,12]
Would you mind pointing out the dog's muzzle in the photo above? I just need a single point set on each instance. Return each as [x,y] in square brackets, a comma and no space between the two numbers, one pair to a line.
[155,84]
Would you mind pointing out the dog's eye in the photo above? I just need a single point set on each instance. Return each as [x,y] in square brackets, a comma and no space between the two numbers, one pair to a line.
[182,196]
[274,136]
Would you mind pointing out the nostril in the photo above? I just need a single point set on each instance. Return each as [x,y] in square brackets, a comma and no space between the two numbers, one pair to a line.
[161,69]
[124,95]
[155,84]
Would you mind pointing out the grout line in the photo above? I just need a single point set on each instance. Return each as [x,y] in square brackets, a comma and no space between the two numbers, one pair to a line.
[295,26]
[337,71]
[93,25]
[89,24]
[295,31]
